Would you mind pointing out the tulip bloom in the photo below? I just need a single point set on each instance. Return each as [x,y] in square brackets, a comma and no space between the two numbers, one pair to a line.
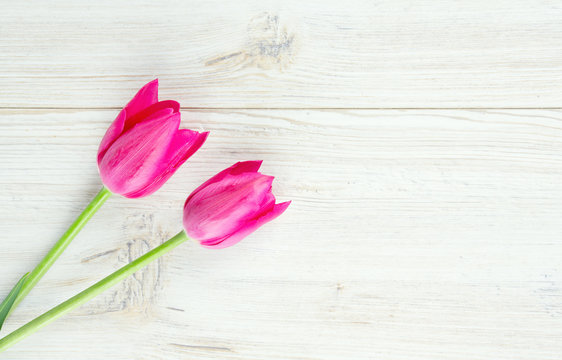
[144,147]
[230,206]
[139,152]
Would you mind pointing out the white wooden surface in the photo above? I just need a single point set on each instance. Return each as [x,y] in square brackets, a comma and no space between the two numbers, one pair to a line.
[425,221]
[291,53]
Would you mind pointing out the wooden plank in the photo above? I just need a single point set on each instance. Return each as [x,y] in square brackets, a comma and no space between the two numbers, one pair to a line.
[413,235]
[290,54]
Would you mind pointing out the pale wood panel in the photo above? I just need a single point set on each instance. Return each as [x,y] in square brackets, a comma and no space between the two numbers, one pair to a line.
[267,54]
[412,235]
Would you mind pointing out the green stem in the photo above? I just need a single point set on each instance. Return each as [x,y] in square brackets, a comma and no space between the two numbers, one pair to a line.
[49,259]
[91,292]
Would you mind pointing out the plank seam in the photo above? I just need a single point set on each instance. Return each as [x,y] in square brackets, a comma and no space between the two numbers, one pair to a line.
[295,108]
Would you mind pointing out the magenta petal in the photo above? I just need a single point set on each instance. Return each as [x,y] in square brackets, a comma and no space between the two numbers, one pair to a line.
[247,229]
[145,97]
[235,197]
[277,210]
[238,168]
[268,200]
[134,159]
[232,239]
[112,133]
[245,166]
[184,144]
[131,121]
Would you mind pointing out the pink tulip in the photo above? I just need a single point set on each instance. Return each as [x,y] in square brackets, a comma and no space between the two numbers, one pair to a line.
[230,206]
[144,147]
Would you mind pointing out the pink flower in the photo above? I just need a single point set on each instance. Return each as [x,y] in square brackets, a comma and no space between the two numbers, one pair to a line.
[230,206]
[144,147]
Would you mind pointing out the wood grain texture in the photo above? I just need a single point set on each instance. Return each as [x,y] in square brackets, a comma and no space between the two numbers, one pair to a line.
[273,54]
[413,234]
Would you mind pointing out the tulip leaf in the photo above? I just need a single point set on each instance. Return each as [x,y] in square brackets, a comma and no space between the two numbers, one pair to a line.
[8,302]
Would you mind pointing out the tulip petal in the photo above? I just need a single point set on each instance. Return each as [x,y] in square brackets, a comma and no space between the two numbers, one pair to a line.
[133,158]
[245,166]
[240,167]
[184,144]
[131,121]
[136,110]
[112,133]
[249,228]
[145,97]
[277,210]
[231,239]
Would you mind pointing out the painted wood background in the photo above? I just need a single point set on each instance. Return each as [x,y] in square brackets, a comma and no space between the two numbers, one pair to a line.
[420,142]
